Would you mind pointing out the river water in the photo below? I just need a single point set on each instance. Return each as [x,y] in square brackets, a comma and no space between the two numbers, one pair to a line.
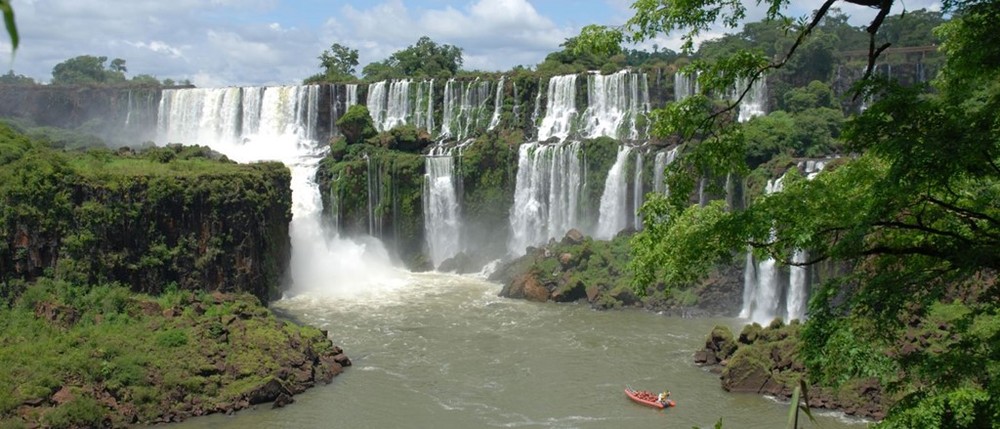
[444,351]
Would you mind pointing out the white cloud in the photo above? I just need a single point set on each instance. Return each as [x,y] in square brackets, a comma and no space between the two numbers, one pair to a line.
[255,42]
[494,34]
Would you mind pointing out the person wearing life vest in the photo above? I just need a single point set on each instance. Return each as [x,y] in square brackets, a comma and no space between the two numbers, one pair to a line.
[662,397]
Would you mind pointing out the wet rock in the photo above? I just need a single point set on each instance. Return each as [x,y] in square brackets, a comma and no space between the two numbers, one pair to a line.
[267,392]
[282,400]
[573,236]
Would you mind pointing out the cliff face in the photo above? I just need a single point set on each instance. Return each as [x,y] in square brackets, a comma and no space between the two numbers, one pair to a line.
[192,223]
[118,115]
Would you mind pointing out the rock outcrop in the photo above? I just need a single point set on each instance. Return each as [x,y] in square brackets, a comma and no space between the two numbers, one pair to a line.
[765,361]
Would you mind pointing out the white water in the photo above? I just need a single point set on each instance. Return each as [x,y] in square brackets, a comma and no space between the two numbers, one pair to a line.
[497,104]
[685,85]
[614,207]
[615,103]
[764,298]
[546,195]
[637,194]
[560,110]
[755,101]
[424,110]
[391,104]
[278,124]
[465,109]
[660,163]
[442,223]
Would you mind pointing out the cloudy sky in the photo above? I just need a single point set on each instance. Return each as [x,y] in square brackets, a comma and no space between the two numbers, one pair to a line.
[256,42]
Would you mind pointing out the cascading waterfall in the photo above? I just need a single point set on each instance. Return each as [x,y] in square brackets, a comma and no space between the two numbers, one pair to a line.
[560,110]
[278,123]
[685,85]
[547,194]
[762,289]
[755,101]
[615,102]
[341,100]
[497,104]
[614,210]
[464,108]
[425,106]
[388,103]
[763,304]
[798,286]
[442,222]
[401,102]
[637,194]
[660,163]
[536,112]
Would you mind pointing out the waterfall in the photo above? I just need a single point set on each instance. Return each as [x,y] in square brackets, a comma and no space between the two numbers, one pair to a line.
[660,163]
[536,112]
[795,305]
[755,101]
[749,285]
[464,108]
[614,210]
[497,104]
[386,103]
[401,102]
[614,104]
[560,110]
[273,123]
[546,194]
[637,194]
[763,293]
[442,223]
[424,110]
[685,85]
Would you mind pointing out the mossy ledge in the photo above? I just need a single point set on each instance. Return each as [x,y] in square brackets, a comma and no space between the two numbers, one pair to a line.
[132,287]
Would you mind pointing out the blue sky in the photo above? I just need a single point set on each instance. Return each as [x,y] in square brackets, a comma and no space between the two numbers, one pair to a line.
[267,42]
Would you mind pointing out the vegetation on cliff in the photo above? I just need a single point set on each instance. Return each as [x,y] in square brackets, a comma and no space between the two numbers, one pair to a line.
[163,216]
[131,286]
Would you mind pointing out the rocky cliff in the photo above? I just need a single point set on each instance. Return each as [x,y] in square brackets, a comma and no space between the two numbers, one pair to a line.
[168,217]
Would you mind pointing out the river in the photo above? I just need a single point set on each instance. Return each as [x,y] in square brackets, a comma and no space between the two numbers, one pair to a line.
[444,351]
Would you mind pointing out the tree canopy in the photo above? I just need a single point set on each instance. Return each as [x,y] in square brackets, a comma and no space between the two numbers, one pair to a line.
[426,58]
[86,69]
[911,211]
[338,64]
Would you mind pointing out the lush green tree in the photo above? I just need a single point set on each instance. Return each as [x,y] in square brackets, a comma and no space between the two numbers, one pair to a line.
[88,69]
[913,215]
[426,58]
[338,64]
[15,79]
[356,124]
[146,79]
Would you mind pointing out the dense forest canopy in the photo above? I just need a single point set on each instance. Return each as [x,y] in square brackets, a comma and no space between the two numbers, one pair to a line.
[911,208]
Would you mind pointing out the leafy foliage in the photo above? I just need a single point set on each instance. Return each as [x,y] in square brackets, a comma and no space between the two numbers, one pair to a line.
[913,214]
[425,59]
[356,124]
[86,69]
[338,64]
